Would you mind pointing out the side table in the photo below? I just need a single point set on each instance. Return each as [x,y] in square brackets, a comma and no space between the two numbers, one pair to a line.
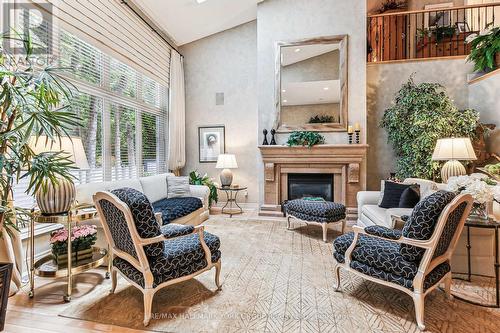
[231,195]
[46,266]
[484,224]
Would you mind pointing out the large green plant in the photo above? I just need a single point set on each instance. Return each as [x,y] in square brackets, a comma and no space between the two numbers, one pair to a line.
[33,102]
[484,47]
[423,113]
[195,178]
[305,138]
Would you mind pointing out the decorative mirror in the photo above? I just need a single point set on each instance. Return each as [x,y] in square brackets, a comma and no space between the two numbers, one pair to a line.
[311,85]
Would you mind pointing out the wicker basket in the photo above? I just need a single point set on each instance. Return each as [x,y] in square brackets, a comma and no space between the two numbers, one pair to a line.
[5,276]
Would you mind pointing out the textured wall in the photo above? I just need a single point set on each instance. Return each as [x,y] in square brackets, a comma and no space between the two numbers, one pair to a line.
[383,81]
[225,62]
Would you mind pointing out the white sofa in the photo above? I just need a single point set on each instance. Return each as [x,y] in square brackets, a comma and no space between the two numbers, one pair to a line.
[154,187]
[369,213]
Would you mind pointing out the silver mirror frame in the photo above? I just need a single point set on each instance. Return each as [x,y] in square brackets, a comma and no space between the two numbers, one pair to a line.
[343,72]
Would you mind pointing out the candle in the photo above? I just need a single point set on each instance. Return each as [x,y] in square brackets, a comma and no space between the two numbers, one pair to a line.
[349,130]
[356,127]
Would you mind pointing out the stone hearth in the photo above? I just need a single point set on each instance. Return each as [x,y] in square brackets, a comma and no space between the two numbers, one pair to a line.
[346,162]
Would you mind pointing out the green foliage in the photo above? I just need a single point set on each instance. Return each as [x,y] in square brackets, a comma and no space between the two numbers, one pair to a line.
[319,119]
[33,102]
[440,32]
[195,178]
[421,115]
[484,48]
[305,138]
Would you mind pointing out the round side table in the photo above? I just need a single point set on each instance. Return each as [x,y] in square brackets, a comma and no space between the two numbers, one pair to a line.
[231,195]
[484,224]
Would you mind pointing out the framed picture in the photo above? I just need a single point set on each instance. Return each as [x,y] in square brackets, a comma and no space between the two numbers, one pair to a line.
[212,143]
[462,27]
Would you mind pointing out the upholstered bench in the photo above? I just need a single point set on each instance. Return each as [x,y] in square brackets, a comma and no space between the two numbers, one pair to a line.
[319,212]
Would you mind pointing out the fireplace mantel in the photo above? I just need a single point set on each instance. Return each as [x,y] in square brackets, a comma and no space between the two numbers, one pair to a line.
[347,162]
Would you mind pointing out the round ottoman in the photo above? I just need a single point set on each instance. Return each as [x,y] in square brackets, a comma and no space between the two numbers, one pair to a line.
[315,211]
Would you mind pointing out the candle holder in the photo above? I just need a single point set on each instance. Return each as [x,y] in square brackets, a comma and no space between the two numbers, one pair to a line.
[350,138]
[265,143]
[273,140]
[357,136]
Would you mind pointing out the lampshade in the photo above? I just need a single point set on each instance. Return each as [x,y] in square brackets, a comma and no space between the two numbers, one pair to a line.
[454,149]
[226,161]
[71,146]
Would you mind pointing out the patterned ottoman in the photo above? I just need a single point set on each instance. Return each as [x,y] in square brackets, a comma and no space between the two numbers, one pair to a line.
[315,211]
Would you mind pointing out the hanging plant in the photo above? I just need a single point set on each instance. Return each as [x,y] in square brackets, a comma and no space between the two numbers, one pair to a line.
[423,113]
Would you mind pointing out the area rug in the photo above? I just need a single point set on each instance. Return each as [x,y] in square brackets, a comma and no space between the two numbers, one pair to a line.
[278,280]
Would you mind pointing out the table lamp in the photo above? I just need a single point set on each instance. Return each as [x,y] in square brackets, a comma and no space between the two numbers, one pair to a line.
[58,199]
[226,162]
[453,150]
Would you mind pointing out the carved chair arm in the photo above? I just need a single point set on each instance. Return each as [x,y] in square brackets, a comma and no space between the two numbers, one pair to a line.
[158,217]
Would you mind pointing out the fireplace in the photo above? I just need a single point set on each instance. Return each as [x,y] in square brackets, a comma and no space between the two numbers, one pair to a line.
[302,185]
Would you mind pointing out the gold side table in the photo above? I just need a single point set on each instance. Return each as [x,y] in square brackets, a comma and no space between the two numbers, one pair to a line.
[47,267]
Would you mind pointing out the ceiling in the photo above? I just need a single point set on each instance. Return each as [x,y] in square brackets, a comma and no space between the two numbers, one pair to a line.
[186,20]
[293,54]
[309,93]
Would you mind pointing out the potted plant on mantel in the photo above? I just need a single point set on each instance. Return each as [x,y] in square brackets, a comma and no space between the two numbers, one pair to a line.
[485,53]
[305,138]
[33,103]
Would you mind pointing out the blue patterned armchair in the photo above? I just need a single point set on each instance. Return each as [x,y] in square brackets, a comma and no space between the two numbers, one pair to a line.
[150,256]
[414,260]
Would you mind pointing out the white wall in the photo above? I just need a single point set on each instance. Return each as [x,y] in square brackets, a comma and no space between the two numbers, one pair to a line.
[225,62]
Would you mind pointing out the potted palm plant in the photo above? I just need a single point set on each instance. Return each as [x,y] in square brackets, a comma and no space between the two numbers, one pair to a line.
[485,53]
[34,102]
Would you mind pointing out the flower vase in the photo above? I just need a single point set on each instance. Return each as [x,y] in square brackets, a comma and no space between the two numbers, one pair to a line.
[479,211]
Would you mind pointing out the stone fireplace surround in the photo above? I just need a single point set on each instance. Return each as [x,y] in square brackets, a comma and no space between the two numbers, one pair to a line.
[347,163]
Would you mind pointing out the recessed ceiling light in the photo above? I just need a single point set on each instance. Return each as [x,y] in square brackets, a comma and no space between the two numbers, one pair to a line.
[284,101]
[200,1]
[297,50]
[326,88]
[284,90]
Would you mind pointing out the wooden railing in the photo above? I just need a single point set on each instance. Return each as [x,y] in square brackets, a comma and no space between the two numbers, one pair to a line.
[427,33]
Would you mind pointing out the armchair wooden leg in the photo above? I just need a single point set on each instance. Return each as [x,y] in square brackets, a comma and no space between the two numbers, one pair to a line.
[325,230]
[148,301]
[114,273]
[418,299]
[447,286]
[217,275]
[337,277]
[343,226]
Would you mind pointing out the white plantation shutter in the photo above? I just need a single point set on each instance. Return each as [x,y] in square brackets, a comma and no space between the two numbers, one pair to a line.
[120,72]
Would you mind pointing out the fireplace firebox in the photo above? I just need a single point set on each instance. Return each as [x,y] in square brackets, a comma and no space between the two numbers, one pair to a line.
[302,185]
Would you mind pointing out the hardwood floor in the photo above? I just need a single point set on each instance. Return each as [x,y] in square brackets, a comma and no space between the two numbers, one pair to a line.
[40,314]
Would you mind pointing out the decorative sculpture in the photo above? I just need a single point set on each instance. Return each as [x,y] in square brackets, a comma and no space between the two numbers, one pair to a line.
[273,141]
[265,143]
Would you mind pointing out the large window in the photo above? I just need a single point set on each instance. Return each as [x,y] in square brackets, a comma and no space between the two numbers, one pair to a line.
[123,114]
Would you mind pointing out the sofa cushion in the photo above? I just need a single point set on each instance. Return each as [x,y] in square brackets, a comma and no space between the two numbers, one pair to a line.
[178,187]
[175,208]
[392,194]
[155,187]
[375,214]
[422,222]
[129,183]
[427,187]
[410,197]
[84,192]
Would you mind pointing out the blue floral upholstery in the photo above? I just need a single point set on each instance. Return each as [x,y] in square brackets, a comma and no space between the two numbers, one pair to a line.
[384,232]
[175,208]
[144,217]
[175,230]
[315,211]
[422,222]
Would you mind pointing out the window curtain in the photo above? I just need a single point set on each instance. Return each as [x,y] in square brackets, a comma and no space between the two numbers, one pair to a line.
[177,115]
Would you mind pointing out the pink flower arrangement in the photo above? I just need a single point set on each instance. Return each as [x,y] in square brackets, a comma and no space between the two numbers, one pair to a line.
[77,232]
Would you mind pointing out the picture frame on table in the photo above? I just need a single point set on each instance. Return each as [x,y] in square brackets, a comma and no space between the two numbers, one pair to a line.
[462,27]
[211,143]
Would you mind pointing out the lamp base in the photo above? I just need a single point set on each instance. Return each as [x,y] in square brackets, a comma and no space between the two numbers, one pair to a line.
[226,178]
[452,168]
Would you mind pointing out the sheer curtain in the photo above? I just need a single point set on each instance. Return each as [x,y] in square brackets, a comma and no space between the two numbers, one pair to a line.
[177,117]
